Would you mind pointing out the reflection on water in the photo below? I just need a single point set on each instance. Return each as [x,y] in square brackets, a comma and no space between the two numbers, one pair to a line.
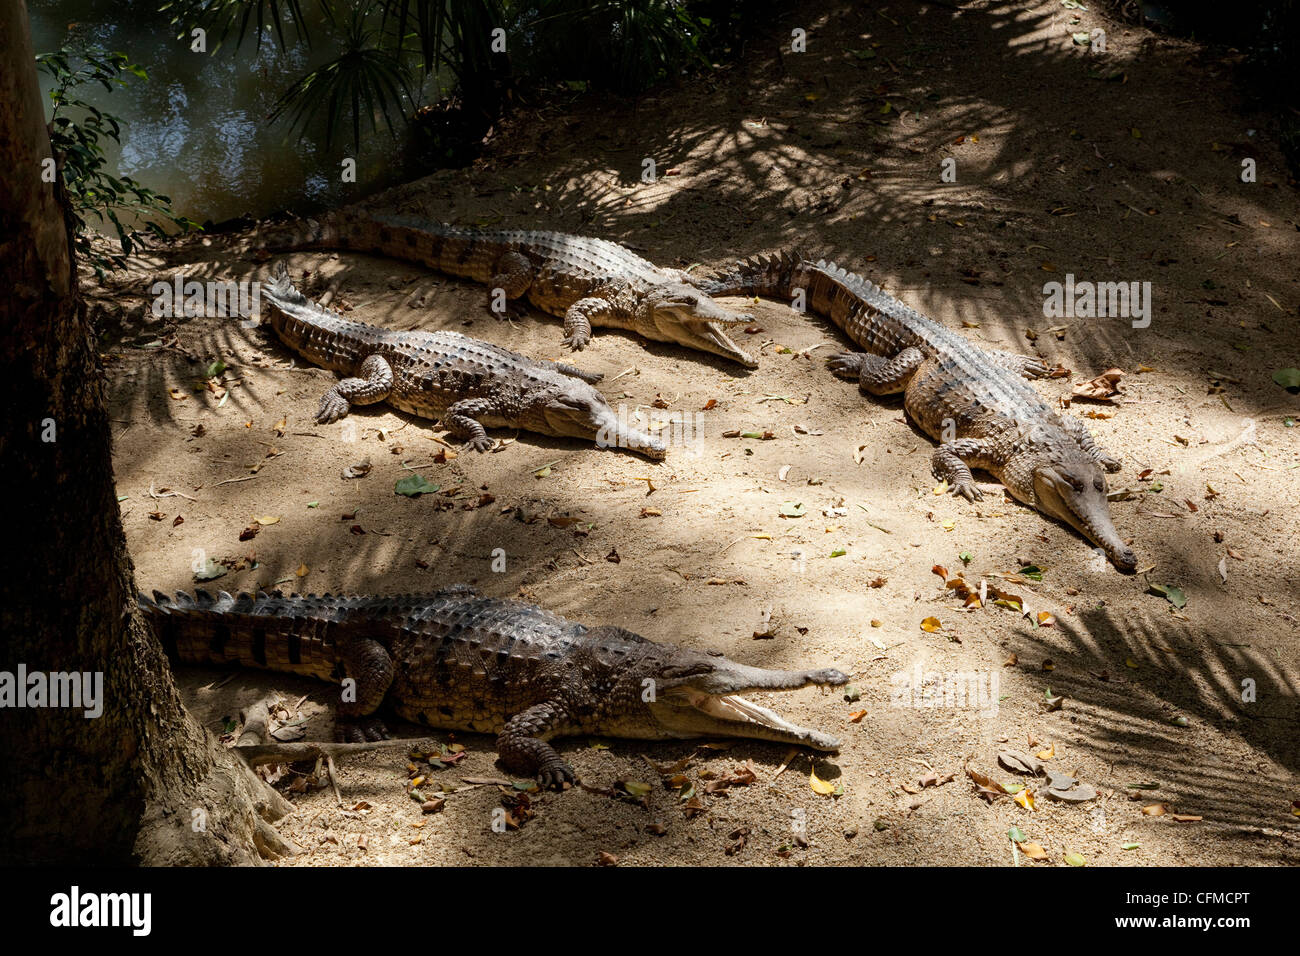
[196,130]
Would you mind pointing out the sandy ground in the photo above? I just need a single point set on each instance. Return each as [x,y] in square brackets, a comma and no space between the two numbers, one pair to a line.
[838,150]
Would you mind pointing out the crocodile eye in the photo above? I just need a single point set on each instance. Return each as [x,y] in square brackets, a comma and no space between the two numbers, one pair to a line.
[1099,484]
[1075,483]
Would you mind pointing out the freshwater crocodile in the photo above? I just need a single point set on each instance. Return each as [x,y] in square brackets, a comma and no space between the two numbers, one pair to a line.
[465,382]
[974,402]
[455,660]
[586,281]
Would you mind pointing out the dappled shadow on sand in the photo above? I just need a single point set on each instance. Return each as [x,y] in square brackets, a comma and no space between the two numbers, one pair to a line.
[839,151]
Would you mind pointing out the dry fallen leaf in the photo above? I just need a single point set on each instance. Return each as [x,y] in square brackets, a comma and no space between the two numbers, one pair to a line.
[1101,388]
[1033,850]
[931,624]
[819,785]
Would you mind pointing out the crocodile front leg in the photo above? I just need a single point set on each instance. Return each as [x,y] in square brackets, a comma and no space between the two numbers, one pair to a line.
[1027,365]
[369,666]
[577,321]
[514,277]
[949,463]
[876,374]
[461,418]
[374,382]
[566,369]
[523,749]
[1090,447]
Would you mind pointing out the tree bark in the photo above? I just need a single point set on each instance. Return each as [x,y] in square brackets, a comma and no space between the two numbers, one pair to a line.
[141,782]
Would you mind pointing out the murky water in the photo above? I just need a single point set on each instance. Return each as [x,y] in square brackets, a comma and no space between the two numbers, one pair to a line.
[197,129]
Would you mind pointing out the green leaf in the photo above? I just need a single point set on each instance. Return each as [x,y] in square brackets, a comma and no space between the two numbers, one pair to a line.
[793,509]
[412,486]
[313,504]
[838,553]
[215,369]
[966,557]
[1129,846]
[1032,571]
[1288,378]
[1173,595]
[1016,835]
[1075,859]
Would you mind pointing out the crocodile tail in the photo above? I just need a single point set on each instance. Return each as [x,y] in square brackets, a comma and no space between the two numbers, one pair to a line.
[266,630]
[466,253]
[775,276]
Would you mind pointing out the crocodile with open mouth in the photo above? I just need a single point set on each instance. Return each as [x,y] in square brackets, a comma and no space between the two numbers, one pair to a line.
[456,660]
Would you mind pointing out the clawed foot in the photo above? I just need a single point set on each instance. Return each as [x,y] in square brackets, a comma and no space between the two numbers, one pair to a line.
[332,407]
[556,775]
[481,443]
[847,364]
[577,341]
[968,490]
[359,730]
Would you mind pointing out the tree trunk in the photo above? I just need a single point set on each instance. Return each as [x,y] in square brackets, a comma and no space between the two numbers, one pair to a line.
[141,781]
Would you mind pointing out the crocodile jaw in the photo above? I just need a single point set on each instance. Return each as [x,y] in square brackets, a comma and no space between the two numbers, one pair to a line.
[703,336]
[709,704]
[688,713]
[689,317]
[1084,508]
[580,412]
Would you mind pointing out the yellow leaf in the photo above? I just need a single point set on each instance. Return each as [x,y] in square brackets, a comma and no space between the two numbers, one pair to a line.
[1033,850]
[267,519]
[1154,810]
[949,525]
[1129,662]
[1075,859]
[302,570]
[1046,618]
[854,717]
[1025,798]
[1047,754]
[931,624]
[941,488]
[819,785]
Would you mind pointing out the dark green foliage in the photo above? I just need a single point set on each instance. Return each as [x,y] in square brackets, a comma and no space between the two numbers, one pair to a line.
[365,73]
[623,46]
[76,132]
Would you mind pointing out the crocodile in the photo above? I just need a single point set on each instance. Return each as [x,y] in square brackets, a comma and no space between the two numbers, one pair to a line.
[465,382]
[974,402]
[456,660]
[588,282]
